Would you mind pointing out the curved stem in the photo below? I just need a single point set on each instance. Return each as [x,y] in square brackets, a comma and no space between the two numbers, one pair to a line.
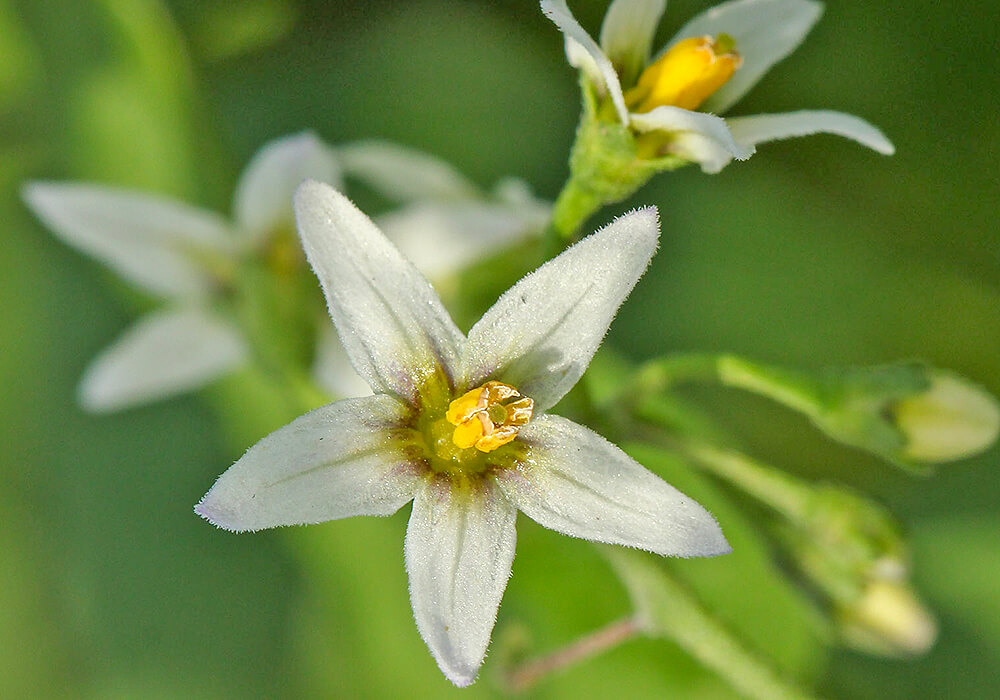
[769,485]
[525,675]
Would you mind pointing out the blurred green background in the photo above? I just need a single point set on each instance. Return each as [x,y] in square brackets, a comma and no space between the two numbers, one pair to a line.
[814,252]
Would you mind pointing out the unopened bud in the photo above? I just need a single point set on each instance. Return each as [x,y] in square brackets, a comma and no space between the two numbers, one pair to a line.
[952,419]
[888,619]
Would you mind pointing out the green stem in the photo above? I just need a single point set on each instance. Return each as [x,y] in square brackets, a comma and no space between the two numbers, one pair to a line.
[771,486]
[667,609]
[575,204]
[527,674]
[791,389]
[663,373]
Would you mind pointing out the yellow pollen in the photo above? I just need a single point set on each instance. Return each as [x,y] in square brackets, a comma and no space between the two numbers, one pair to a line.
[489,416]
[686,75]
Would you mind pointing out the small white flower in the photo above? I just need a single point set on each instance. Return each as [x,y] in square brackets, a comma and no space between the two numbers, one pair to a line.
[459,425]
[710,63]
[184,256]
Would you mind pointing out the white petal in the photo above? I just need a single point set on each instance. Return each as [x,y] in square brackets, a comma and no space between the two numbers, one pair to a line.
[771,127]
[332,367]
[459,549]
[627,33]
[335,462]
[391,321]
[578,483]
[404,174]
[582,60]
[152,241]
[263,201]
[558,12]
[765,32]
[164,354]
[541,334]
[702,138]
[442,238]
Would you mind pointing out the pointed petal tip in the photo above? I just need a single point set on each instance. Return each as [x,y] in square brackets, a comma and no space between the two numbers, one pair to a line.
[31,190]
[460,678]
[309,189]
[45,198]
[648,211]
[210,510]
[704,537]
[884,146]
[94,400]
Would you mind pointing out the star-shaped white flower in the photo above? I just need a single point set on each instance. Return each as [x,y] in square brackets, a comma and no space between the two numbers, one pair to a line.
[460,425]
[184,256]
[710,63]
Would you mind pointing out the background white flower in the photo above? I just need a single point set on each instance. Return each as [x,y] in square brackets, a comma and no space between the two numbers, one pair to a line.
[371,455]
[184,256]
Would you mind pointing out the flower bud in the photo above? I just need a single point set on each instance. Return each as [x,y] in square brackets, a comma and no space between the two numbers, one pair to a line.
[907,413]
[887,619]
[952,419]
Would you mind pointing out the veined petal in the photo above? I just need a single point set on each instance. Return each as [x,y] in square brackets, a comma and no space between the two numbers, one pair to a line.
[765,32]
[333,369]
[760,128]
[404,174]
[164,354]
[703,138]
[151,241]
[578,483]
[443,237]
[459,549]
[263,201]
[335,462]
[627,33]
[542,333]
[558,12]
[392,323]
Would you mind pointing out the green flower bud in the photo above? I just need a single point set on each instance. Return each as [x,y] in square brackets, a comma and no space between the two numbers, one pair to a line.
[907,413]
[849,549]
[952,419]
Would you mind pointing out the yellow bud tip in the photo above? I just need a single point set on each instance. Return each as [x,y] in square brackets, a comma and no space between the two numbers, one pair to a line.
[953,419]
[889,619]
[686,75]
[488,416]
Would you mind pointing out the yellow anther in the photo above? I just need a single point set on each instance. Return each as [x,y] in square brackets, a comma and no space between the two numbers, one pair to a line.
[686,75]
[488,416]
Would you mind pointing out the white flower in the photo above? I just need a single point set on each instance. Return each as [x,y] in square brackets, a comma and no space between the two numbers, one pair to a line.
[710,63]
[443,224]
[184,256]
[460,425]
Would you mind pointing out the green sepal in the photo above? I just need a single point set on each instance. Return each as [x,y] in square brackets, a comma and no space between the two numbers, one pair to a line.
[605,166]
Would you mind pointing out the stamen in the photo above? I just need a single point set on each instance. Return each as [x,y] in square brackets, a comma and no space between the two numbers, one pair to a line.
[489,416]
[686,75]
